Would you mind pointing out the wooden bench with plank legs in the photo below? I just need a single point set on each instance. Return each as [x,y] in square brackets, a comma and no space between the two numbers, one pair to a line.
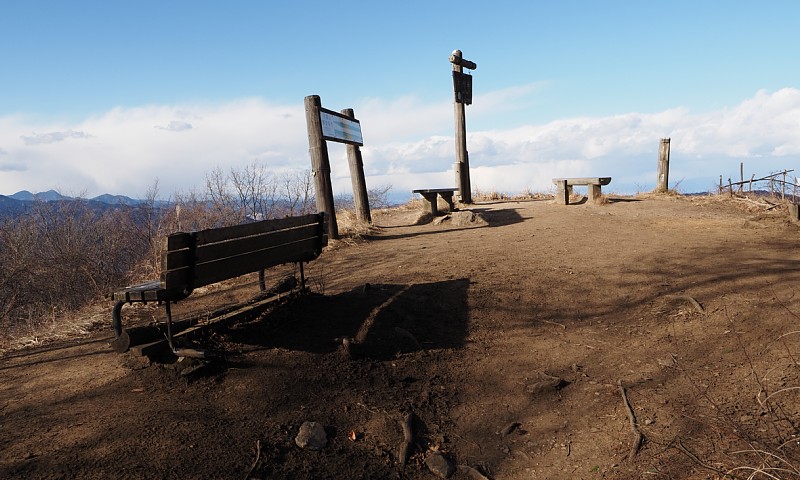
[196,259]
[429,196]
[564,187]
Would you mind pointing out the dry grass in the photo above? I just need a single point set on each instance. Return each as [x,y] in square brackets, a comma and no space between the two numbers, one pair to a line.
[526,194]
[59,326]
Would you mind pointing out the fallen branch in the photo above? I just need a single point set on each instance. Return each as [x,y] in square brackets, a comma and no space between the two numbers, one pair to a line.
[408,439]
[638,437]
[555,323]
[699,462]
[258,457]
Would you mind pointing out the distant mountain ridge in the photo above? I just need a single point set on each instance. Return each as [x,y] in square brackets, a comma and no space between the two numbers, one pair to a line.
[22,202]
[53,196]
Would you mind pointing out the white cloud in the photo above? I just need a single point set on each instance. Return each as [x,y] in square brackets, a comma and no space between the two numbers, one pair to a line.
[175,126]
[409,144]
[52,137]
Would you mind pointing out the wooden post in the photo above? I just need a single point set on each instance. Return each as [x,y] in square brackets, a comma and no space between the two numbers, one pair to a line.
[663,166]
[783,187]
[462,157]
[360,195]
[320,164]
[741,177]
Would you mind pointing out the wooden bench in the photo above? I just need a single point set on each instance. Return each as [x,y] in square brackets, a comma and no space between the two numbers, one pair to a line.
[429,195]
[196,259]
[565,187]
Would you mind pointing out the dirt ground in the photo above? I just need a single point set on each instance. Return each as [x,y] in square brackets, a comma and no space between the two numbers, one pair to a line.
[504,332]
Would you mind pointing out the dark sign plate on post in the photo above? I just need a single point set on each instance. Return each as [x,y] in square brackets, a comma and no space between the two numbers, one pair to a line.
[462,85]
[338,128]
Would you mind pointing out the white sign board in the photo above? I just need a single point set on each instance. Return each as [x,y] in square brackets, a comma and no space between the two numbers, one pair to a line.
[338,128]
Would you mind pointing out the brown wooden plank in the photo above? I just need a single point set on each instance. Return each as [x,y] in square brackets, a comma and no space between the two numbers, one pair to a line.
[178,259]
[241,246]
[226,233]
[176,279]
[222,269]
[177,241]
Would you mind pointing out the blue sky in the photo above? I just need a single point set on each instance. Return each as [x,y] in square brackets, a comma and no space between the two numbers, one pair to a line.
[100,97]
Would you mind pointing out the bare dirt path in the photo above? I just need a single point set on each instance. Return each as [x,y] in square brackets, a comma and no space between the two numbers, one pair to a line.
[505,332]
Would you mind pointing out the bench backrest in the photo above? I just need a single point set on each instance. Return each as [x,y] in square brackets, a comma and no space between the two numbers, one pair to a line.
[201,258]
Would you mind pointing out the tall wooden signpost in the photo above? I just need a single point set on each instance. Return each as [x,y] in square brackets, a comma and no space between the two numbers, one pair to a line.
[663,166]
[462,87]
[324,124]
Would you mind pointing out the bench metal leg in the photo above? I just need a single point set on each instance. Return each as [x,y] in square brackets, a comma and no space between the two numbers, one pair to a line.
[262,283]
[122,341]
[180,352]
[116,318]
[169,326]
[302,278]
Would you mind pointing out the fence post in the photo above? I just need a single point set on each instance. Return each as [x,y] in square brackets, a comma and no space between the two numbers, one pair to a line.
[320,164]
[663,166]
[360,195]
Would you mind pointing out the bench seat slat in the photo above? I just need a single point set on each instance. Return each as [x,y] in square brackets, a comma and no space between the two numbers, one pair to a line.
[143,292]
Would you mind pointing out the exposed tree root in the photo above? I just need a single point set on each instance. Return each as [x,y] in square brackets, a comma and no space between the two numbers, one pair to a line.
[408,439]
[638,437]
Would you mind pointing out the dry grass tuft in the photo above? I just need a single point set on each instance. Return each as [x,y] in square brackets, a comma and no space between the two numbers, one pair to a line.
[602,200]
[350,226]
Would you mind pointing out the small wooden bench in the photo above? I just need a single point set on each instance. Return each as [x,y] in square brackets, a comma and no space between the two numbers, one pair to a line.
[196,259]
[565,187]
[429,195]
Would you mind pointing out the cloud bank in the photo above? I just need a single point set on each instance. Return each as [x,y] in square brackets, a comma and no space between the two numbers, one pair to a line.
[409,144]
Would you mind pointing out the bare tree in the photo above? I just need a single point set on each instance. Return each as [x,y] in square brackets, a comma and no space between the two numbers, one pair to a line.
[256,189]
[296,189]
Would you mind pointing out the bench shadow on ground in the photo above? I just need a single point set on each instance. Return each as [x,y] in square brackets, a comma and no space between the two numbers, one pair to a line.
[382,320]
[622,200]
[584,200]
[484,218]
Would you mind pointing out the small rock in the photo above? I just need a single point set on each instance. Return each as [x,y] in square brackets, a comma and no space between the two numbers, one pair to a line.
[312,436]
[467,218]
[509,428]
[548,385]
[440,465]
[648,422]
